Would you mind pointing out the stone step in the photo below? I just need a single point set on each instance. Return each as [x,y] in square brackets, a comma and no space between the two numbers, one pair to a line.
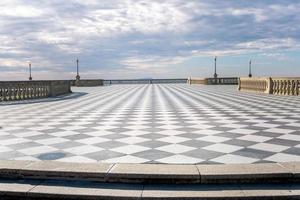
[46,190]
[152,173]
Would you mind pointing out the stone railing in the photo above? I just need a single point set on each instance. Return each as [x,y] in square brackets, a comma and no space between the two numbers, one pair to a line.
[286,86]
[22,90]
[145,81]
[280,86]
[214,81]
[87,82]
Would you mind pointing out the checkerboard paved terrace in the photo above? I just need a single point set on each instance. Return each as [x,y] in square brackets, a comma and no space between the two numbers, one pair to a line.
[171,123]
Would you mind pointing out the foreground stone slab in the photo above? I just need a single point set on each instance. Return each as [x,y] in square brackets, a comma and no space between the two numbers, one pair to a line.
[90,190]
[293,167]
[192,192]
[86,191]
[154,173]
[242,173]
[18,189]
[54,170]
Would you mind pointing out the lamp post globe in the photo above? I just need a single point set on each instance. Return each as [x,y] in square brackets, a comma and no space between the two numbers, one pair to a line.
[30,77]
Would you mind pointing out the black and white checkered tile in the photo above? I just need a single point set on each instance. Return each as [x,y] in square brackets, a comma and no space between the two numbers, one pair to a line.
[154,124]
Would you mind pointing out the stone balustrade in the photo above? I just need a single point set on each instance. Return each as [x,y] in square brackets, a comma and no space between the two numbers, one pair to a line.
[279,86]
[286,86]
[87,82]
[22,90]
[214,81]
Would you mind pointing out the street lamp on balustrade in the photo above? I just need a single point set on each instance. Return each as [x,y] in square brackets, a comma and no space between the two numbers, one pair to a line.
[77,76]
[30,77]
[250,69]
[215,75]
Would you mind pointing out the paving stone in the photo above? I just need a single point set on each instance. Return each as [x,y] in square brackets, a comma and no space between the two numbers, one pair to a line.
[177,120]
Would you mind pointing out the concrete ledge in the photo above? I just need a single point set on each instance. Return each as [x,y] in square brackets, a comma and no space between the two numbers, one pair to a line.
[152,173]
[91,191]
[247,173]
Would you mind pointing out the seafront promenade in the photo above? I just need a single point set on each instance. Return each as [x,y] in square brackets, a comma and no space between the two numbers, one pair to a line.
[153,123]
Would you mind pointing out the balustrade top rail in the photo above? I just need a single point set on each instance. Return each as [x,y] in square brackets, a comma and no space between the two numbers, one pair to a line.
[22,90]
[271,85]
[144,81]
[214,81]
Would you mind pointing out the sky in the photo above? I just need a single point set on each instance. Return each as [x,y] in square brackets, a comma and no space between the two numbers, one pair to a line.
[116,39]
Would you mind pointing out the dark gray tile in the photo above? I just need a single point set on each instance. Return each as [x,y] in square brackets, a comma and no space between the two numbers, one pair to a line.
[203,154]
[153,144]
[104,155]
[253,153]
[283,142]
[152,154]
[243,143]
[196,143]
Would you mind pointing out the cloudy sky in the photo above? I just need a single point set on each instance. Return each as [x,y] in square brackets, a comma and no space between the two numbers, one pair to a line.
[148,38]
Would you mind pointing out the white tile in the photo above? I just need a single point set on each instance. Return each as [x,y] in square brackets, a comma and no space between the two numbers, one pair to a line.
[135,133]
[102,128]
[290,137]
[294,124]
[72,128]
[170,132]
[173,139]
[202,126]
[27,158]
[64,133]
[126,159]
[81,150]
[254,138]
[180,159]
[14,141]
[4,149]
[243,131]
[130,149]
[93,140]
[132,140]
[3,133]
[175,148]
[99,133]
[279,130]
[215,139]
[234,159]
[283,157]
[207,132]
[77,159]
[227,121]
[137,127]
[223,148]
[234,126]
[269,147]
[266,125]
[51,141]
[169,126]
[40,128]
[37,150]
[28,134]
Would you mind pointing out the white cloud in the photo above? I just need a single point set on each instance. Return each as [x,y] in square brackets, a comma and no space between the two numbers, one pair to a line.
[122,36]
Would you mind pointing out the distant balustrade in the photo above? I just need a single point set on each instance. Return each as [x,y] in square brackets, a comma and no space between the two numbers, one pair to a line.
[279,86]
[144,81]
[23,90]
[87,82]
[214,81]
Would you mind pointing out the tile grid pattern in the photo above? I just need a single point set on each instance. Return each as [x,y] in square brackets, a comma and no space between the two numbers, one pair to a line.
[167,123]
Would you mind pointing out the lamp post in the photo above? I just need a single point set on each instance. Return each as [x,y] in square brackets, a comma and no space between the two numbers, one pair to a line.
[250,69]
[215,75]
[77,76]
[30,77]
